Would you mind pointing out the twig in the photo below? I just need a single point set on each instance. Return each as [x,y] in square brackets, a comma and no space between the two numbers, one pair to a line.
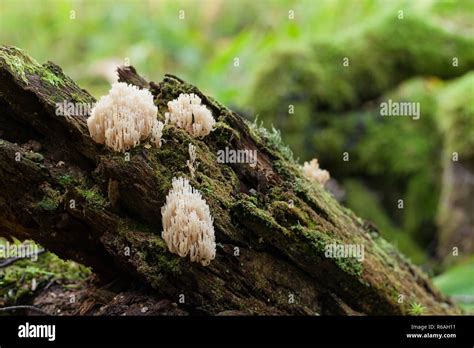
[51,282]
[33,308]
[12,260]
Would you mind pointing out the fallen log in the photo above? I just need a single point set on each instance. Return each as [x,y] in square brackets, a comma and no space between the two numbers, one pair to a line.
[103,209]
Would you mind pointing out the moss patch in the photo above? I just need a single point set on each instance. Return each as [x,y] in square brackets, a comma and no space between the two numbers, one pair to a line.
[21,65]
[456,116]
[16,280]
[93,196]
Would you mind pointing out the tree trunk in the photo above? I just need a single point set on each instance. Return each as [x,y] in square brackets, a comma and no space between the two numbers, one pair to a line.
[89,204]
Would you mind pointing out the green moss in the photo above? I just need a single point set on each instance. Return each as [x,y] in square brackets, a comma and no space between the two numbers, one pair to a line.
[456,116]
[18,62]
[48,203]
[318,241]
[21,65]
[410,170]
[93,196]
[163,261]
[268,226]
[416,309]
[272,139]
[49,77]
[418,140]
[66,180]
[16,279]
[154,254]
[349,265]
[223,134]
[314,80]
[78,98]
[148,252]
[311,240]
[34,156]
[288,216]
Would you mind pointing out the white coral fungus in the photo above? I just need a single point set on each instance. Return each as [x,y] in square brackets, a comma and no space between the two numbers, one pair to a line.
[156,133]
[188,113]
[124,117]
[187,223]
[192,159]
[314,173]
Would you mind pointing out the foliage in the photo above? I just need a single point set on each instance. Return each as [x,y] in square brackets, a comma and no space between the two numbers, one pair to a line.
[458,281]
[25,277]
[202,46]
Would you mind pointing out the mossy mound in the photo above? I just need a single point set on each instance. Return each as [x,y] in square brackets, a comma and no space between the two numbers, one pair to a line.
[456,116]
[455,216]
[326,99]
[350,70]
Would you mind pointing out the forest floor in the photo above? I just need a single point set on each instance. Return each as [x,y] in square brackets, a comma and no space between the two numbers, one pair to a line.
[90,297]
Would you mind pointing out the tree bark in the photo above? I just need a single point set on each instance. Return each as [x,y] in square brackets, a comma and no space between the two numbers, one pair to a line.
[89,204]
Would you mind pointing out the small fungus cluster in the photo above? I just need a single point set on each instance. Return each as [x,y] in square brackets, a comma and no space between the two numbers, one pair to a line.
[314,173]
[188,113]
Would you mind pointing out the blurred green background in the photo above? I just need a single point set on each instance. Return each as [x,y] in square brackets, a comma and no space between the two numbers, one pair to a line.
[199,48]
[291,53]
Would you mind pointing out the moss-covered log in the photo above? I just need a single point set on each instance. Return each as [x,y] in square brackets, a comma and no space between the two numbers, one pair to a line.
[102,209]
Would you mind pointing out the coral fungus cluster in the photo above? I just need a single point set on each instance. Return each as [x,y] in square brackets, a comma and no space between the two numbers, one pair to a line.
[187,223]
[188,113]
[124,117]
[314,173]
